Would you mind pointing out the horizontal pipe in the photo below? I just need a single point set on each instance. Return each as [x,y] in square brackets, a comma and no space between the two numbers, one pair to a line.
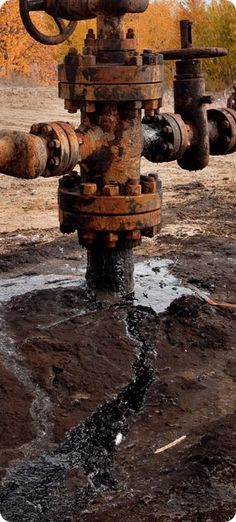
[86,9]
[154,144]
[22,155]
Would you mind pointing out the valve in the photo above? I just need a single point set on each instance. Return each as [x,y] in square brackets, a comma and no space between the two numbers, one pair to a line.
[187,51]
[109,203]
[65,31]
[190,98]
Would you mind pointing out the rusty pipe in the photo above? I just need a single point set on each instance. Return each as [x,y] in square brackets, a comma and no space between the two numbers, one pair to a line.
[22,155]
[28,156]
[167,137]
[86,9]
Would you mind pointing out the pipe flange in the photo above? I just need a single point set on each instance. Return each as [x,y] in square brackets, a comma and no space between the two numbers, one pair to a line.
[225,137]
[110,215]
[63,146]
[170,140]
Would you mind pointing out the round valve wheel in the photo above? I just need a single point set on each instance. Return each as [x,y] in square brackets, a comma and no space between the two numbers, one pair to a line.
[27,6]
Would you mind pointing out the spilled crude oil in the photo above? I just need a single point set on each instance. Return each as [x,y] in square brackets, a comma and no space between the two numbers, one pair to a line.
[37,487]
[90,446]
[101,379]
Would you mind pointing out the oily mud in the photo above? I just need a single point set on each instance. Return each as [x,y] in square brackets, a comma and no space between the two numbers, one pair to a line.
[91,388]
[120,382]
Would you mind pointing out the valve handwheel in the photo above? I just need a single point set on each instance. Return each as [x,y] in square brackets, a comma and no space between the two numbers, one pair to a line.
[27,6]
[187,51]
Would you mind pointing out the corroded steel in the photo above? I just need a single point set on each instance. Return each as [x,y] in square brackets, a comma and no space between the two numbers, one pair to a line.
[187,51]
[166,137]
[78,74]
[222,124]
[22,155]
[113,223]
[116,92]
[194,53]
[74,11]
[63,146]
[110,205]
[64,31]
[231,102]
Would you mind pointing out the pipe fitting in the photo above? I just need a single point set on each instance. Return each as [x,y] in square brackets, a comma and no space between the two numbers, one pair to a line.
[22,155]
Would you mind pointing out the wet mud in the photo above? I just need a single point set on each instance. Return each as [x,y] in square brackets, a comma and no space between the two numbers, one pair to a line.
[118,381]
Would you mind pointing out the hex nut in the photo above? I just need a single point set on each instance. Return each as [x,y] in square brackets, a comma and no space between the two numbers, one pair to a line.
[133,190]
[149,186]
[110,190]
[88,189]
[111,240]
[133,235]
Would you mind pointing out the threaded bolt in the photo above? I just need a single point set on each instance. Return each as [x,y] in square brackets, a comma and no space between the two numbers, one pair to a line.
[35,128]
[55,162]
[225,124]
[130,34]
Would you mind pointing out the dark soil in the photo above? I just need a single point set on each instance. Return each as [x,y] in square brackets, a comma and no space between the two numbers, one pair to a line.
[124,369]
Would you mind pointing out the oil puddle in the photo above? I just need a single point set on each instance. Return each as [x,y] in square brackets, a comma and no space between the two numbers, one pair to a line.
[156,286]
[34,487]
[21,285]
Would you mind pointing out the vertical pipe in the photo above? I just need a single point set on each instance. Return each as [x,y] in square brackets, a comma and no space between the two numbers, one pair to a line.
[110,270]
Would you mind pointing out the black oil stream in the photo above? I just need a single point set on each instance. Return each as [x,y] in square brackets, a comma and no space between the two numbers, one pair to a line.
[34,490]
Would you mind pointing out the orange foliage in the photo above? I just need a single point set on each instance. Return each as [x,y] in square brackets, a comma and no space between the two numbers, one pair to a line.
[156,29]
[20,55]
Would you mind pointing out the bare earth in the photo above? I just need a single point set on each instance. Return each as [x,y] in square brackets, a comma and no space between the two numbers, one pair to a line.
[71,389]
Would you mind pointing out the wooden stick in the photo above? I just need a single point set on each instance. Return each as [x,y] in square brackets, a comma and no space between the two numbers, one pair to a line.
[170,445]
[213,302]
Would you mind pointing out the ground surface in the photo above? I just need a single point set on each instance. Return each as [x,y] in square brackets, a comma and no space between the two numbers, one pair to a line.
[78,377]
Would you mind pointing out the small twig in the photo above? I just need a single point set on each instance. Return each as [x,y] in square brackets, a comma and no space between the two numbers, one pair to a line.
[213,302]
[170,445]
[221,304]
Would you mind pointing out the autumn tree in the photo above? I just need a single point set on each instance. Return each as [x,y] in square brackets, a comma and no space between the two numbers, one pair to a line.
[214,25]
[19,53]
[156,29]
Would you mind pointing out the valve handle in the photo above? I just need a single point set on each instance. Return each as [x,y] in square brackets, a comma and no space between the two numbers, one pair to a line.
[193,53]
[26,6]
[187,51]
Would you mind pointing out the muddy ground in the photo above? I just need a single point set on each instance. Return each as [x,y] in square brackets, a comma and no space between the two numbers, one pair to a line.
[89,389]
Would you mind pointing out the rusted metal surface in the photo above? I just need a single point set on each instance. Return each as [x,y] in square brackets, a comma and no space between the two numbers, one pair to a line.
[62,144]
[110,205]
[74,11]
[117,92]
[190,99]
[187,51]
[22,155]
[166,137]
[231,102]
[98,75]
[114,223]
[222,128]
[119,158]
[194,53]
[64,31]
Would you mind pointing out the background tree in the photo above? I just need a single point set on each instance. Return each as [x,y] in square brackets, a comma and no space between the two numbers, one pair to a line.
[156,29]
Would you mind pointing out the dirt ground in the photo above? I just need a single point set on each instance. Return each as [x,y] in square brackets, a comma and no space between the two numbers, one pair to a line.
[90,390]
